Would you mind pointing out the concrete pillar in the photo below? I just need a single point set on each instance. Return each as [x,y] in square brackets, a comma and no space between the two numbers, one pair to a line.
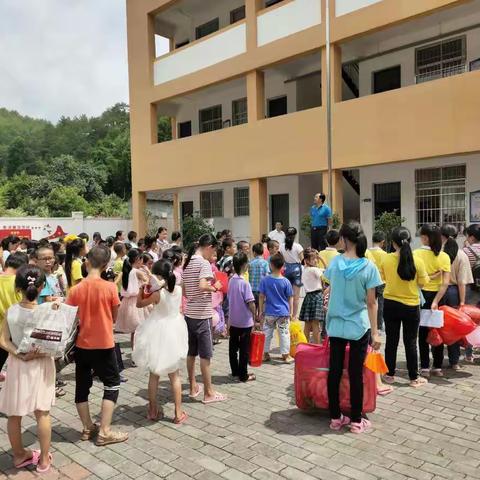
[139,207]
[173,123]
[251,9]
[176,212]
[337,206]
[258,209]
[255,96]
[335,74]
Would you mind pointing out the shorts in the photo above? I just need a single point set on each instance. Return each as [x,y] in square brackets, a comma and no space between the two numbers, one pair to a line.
[293,273]
[200,340]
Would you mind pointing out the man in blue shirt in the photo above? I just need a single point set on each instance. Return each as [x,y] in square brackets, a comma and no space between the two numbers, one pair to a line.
[321,220]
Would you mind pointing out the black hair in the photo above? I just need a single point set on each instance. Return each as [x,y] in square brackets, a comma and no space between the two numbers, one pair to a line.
[434,235]
[16,260]
[206,240]
[146,257]
[277,261]
[56,247]
[228,242]
[132,235]
[97,236]
[8,240]
[257,249]
[174,255]
[450,232]
[290,237]
[265,238]
[159,231]
[378,237]
[176,236]
[132,257]
[110,241]
[60,257]
[280,222]
[118,247]
[322,197]
[99,256]
[149,241]
[353,232]
[72,252]
[271,244]
[163,268]
[241,243]
[141,242]
[118,234]
[473,230]
[42,247]
[29,280]
[332,237]
[240,259]
[406,265]
[309,253]
[84,236]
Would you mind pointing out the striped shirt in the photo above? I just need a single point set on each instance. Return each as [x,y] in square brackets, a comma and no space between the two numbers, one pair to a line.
[473,257]
[199,304]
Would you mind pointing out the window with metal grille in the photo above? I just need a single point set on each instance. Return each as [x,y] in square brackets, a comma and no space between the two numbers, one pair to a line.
[210,119]
[237,14]
[239,111]
[211,203]
[441,59]
[207,28]
[241,202]
[440,195]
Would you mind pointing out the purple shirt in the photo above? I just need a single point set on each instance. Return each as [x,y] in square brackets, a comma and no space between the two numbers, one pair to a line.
[239,296]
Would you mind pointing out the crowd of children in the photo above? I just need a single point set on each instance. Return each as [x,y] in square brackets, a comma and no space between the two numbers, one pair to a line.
[175,304]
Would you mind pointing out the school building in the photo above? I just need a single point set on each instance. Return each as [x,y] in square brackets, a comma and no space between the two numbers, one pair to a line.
[244,87]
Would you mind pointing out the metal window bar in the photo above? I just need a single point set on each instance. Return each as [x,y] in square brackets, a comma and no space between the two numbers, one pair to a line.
[211,119]
[241,197]
[211,204]
[239,111]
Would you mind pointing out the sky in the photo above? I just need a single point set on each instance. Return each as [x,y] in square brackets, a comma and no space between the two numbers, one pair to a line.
[62,57]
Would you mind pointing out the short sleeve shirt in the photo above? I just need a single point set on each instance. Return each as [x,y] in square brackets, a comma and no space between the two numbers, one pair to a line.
[293,255]
[76,271]
[461,273]
[198,304]
[95,299]
[320,215]
[433,264]
[8,295]
[257,269]
[347,315]
[239,296]
[277,291]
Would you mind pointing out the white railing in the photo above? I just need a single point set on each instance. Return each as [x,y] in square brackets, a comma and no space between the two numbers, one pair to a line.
[441,73]
[342,7]
[288,19]
[202,54]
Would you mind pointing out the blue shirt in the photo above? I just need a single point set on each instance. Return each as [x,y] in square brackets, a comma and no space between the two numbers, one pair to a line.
[277,291]
[320,215]
[257,269]
[349,279]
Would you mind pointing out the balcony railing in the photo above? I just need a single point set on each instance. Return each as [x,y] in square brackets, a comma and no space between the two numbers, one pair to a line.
[441,73]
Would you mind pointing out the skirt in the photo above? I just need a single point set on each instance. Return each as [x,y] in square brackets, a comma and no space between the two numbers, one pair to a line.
[129,316]
[312,307]
[29,386]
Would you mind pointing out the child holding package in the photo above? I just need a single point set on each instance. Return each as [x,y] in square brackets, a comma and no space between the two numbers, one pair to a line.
[30,384]
[97,301]
[275,307]
[242,311]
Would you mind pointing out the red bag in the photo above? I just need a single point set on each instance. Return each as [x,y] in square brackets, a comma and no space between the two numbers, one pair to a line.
[456,325]
[472,311]
[222,277]
[434,338]
[257,344]
[311,374]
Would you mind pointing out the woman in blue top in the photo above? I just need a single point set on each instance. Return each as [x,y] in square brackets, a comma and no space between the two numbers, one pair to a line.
[351,318]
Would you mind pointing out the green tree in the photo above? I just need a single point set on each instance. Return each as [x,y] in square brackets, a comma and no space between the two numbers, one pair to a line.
[385,223]
[62,201]
[193,227]
[19,158]
[111,206]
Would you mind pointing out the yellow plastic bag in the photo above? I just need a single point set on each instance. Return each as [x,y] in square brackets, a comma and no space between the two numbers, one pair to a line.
[296,336]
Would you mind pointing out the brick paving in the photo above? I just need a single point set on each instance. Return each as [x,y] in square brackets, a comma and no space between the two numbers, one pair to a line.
[425,434]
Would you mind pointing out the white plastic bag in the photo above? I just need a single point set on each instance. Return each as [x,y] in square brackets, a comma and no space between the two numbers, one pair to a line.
[431,318]
[49,329]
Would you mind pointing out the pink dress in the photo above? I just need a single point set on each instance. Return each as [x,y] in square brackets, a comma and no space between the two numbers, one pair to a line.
[29,386]
[129,316]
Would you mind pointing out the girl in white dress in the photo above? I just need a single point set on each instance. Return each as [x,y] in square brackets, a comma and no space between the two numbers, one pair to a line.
[161,342]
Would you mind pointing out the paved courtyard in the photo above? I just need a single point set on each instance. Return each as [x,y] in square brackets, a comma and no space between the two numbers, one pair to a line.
[428,433]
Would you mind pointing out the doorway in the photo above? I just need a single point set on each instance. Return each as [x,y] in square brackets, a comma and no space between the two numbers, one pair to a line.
[187,209]
[387,198]
[279,209]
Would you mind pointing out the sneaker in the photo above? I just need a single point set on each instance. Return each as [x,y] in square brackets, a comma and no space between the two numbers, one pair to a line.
[425,372]
[337,423]
[360,427]
[436,372]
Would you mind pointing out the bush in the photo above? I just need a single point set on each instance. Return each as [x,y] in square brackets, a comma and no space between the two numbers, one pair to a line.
[193,227]
[385,223]
[62,201]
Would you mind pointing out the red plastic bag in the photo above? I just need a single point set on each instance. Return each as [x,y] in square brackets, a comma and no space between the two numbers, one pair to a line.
[472,311]
[257,344]
[434,338]
[222,277]
[456,325]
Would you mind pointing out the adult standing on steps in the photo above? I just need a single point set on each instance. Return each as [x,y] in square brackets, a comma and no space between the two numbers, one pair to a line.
[321,220]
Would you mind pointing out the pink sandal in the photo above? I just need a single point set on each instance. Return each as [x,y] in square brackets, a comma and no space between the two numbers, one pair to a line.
[33,460]
[218,397]
[360,427]
[47,468]
[337,423]
[198,392]
[181,419]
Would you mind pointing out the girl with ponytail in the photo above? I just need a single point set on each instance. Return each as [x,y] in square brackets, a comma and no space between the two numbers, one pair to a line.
[438,267]
[133,278]
[351,319]
[161,341]
[76,249]
[404,275]
[460,277]
[30,383]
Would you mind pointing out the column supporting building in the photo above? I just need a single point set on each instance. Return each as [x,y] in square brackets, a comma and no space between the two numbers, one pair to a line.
[258,209]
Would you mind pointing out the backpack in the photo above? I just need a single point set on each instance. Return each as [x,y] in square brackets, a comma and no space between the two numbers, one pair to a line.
[475,271]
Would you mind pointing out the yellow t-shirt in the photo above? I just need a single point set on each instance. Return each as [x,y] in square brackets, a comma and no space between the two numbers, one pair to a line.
[8,295]
[327,256]
[433,264]
[376,255]
[403,291]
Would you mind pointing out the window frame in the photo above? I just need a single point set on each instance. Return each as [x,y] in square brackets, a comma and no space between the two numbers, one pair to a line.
[216,21]
[237,115]
[209,211]
[235,11]
[179,124]
[399,66]
[219,119]
[241,210]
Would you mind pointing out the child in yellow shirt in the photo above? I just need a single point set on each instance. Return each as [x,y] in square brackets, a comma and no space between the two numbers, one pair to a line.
[326,256]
